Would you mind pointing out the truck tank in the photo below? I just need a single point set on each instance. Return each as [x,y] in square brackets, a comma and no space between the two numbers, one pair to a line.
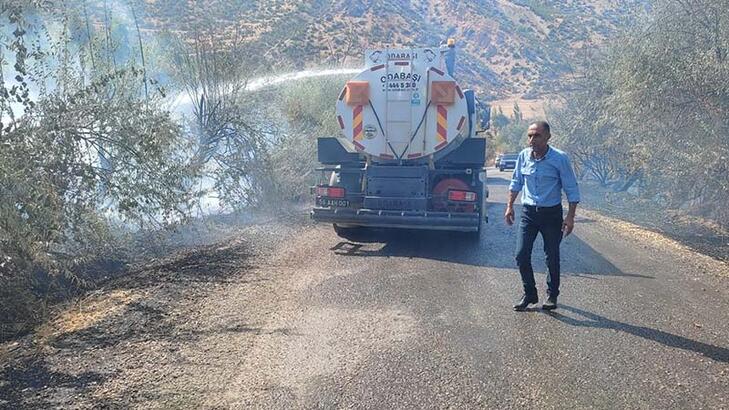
[404,106]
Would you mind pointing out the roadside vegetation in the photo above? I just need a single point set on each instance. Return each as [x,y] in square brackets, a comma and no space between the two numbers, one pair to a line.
[647,116]
[94,155]
[509,132]
[650,113]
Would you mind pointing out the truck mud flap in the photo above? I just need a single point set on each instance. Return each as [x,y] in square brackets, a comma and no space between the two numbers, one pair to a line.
[449,221]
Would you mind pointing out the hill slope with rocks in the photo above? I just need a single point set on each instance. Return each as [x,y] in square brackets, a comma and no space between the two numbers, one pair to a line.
[512,48]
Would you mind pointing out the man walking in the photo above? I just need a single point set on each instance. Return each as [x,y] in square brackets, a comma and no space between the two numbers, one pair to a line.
[542,172]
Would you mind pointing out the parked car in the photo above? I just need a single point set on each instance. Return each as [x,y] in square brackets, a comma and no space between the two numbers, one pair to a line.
[508,161]
[498,160]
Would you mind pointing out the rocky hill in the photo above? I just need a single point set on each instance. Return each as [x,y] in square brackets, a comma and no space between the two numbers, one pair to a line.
[512,48]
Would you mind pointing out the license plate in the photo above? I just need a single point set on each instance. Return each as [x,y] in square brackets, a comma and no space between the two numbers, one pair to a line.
[337,203]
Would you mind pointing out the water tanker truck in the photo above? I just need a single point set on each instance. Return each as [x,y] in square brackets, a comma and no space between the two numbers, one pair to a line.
[411,152]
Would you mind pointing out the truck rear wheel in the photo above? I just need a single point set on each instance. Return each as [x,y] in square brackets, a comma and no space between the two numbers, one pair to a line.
[349,232]
[476,236]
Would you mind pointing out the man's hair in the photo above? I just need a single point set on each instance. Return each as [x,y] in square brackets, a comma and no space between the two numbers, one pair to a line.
[544,125]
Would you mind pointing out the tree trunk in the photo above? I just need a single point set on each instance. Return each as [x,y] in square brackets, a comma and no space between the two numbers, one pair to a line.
[632,179]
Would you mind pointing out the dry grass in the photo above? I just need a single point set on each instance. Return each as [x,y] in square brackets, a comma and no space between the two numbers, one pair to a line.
[86,313]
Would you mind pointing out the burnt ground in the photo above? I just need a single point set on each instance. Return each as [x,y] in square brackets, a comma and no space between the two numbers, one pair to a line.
[283,314]
[105,349]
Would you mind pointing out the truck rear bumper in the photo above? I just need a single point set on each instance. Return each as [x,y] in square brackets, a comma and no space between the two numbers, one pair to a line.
[463,222]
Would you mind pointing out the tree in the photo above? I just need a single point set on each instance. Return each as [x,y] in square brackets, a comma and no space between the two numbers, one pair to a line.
[88,153]
[500,120]
[231,142]
[656,108]
[517,115]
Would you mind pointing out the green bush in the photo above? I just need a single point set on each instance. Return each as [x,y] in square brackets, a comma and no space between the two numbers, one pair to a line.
[652,111]
[308,112]
[83,155]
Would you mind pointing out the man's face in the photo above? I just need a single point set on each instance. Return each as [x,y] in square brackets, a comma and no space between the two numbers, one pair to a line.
[537,137]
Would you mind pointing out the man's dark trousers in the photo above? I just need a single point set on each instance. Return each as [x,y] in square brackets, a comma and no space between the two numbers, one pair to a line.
[534,220]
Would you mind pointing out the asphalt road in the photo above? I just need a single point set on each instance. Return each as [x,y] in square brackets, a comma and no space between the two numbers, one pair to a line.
[291,316]
[416,320]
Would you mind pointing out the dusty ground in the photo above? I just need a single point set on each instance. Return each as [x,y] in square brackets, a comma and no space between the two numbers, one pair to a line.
[698,234]
[287,315]
[146,327]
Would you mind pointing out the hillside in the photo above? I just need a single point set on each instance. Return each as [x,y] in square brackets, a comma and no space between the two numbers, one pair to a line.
[513,48]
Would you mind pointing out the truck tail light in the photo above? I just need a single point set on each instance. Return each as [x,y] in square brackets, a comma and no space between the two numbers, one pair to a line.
[330,191]
[462,196]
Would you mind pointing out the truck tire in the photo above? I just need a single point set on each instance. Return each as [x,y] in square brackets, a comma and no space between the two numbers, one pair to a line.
[353,233]
[476,236]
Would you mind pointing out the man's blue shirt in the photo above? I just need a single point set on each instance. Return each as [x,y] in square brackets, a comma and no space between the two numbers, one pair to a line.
[543,180]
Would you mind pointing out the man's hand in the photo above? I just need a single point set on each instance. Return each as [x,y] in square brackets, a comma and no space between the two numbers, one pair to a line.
[568,225]
[509,215]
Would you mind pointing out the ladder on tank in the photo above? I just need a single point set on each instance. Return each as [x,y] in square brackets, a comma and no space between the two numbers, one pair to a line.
[400,103]
[398,110]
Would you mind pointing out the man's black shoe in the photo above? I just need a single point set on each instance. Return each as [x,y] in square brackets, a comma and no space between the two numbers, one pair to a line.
[524,302]
[550,304]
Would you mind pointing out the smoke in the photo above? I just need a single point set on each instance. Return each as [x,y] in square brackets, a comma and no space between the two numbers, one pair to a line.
[92,24]
[52,41]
